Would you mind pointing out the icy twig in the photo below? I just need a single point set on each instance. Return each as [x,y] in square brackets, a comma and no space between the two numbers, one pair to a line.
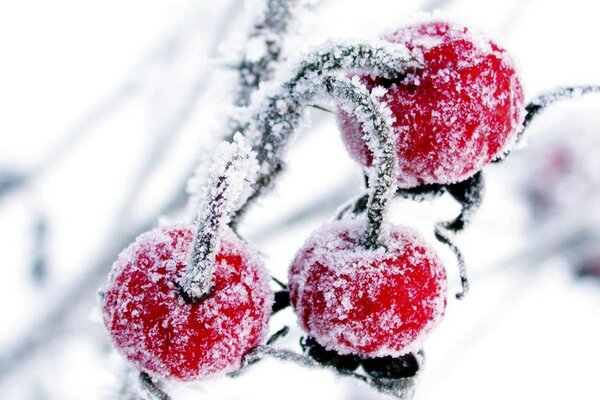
[39,262]
[10,180]
[264,47]
[446,236]
[233,171]
[376,121]
[152,389]
[277,118]
[402,388]
[543,101]
[469,195]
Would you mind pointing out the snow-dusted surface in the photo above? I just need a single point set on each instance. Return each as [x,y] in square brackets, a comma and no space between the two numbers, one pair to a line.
[527,330]
[154,328]
[373,303]
[462,108]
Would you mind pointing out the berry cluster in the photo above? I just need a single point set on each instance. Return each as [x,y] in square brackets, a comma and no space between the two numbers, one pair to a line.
[430,106]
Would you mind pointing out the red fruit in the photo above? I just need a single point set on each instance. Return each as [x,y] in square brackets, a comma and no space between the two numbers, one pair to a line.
[159,332]
[453,116]
[372,303]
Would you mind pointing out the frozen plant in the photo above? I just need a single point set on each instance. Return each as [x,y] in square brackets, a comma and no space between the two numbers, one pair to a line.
[424,110]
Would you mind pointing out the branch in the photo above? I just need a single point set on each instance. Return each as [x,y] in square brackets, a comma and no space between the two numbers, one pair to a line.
[277,118]
[402,388]
[376,121]
[233,169]
[151,388]
[536,106]
[264,48]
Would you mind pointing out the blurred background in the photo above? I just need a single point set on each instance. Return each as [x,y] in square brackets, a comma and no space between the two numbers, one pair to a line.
[107,107]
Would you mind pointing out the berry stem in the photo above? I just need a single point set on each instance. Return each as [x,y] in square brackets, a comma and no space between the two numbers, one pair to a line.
[154,392]
[402,388]
[541,102]
[233,170]
[377,125]
[269,32]
[279,115]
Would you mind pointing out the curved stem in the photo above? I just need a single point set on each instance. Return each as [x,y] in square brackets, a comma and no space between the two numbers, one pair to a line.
[541,102]
[234,167]
[402,388]
[376,122]
[279,115]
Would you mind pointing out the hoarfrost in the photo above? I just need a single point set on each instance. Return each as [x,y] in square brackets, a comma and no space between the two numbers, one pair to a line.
[164,336]
[396,295]
[233,170]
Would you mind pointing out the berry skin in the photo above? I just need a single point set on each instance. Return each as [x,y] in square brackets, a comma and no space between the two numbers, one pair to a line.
[372,303]
[155,329]
[454,115]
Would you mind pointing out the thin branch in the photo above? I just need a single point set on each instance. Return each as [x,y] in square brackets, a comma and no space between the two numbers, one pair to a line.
[279,115]
[376,122]
[540,103]
[152,389]
[233,170]
[267,39]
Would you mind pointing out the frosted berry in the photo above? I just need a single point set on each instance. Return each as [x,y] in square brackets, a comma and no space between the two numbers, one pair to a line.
[372,303]
[154,328]
[454,115]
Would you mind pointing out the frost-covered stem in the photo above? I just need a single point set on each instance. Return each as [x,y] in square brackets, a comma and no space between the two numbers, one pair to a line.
[278,116]
[376,122]
[402,388]
[444,235]
[267,36]
[153,390]
[234,168]
[541,102]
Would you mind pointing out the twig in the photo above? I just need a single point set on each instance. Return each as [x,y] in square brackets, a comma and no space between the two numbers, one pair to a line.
[267,38]
[233,170]
[152,389]
[537,105]
[376,122]
[278,116]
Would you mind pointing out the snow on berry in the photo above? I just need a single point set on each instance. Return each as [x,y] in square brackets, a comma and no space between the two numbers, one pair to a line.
[372,303]
[156,329]
[454,115]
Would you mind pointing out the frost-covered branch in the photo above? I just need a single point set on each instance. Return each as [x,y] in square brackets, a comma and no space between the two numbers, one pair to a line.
[401,388]
[543,101]
[234,168]
[151,388]
[277,118]
[376,120]
[469,195]
[264,47]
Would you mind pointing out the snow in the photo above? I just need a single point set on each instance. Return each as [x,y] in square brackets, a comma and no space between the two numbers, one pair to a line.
[463,81]
[552,42]
[373,303]
[161,334]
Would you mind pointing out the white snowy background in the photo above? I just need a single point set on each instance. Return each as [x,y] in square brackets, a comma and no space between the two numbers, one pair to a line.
[105,107]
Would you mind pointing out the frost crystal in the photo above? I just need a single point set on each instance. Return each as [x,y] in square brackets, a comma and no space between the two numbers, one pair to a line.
[373,303]
[163,335]
[232,172]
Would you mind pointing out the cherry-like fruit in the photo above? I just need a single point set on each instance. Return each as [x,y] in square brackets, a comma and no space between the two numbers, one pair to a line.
[454,115]
[166,335]
[372,303]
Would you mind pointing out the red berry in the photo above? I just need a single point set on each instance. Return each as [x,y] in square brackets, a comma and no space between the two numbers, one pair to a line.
[152,325]
[453,116]
[373,303]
